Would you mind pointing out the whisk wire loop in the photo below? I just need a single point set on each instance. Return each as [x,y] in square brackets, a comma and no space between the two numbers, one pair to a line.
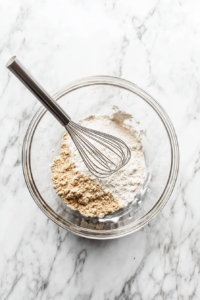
[89,147]
[105,155]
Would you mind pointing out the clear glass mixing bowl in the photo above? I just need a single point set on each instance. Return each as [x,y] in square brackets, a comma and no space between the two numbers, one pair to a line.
[98,95]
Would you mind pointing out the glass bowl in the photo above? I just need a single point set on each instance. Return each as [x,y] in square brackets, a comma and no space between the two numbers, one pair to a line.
[98,95]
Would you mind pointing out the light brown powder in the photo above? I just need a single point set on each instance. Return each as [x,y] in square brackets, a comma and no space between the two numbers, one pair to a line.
[77,190]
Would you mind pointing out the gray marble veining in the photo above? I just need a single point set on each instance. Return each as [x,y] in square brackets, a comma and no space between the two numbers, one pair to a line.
[154,44]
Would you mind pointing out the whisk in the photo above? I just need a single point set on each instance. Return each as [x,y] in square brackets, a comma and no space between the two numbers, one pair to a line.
[103,154]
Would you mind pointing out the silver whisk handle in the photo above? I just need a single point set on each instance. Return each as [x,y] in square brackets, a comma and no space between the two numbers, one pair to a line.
[27,79]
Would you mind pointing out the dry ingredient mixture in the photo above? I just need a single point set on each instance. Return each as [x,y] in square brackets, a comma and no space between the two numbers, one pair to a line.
[97,197]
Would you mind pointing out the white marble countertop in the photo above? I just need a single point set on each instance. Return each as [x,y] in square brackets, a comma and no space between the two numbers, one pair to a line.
[155,44]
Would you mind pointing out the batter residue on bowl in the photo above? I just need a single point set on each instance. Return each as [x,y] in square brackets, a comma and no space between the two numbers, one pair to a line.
[95,197]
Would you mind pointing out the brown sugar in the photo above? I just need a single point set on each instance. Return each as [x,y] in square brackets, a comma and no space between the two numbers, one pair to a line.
[77,190]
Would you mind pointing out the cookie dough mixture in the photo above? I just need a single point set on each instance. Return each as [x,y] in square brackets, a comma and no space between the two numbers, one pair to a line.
[95,197]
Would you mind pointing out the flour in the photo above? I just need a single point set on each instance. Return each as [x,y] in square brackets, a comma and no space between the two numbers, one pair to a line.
[124,184]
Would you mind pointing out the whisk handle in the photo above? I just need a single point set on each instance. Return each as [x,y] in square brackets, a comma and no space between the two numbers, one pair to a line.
[27,79]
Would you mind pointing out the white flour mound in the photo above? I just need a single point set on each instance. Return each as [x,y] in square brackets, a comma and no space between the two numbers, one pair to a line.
[123,184]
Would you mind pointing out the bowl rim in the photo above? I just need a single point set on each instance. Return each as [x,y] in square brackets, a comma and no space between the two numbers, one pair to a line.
[174,168]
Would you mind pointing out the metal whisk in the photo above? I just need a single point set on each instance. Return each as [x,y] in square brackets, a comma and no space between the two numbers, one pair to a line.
[103,154]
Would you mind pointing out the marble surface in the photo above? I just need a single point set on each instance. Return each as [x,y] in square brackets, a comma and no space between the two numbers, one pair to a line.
[155,44]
